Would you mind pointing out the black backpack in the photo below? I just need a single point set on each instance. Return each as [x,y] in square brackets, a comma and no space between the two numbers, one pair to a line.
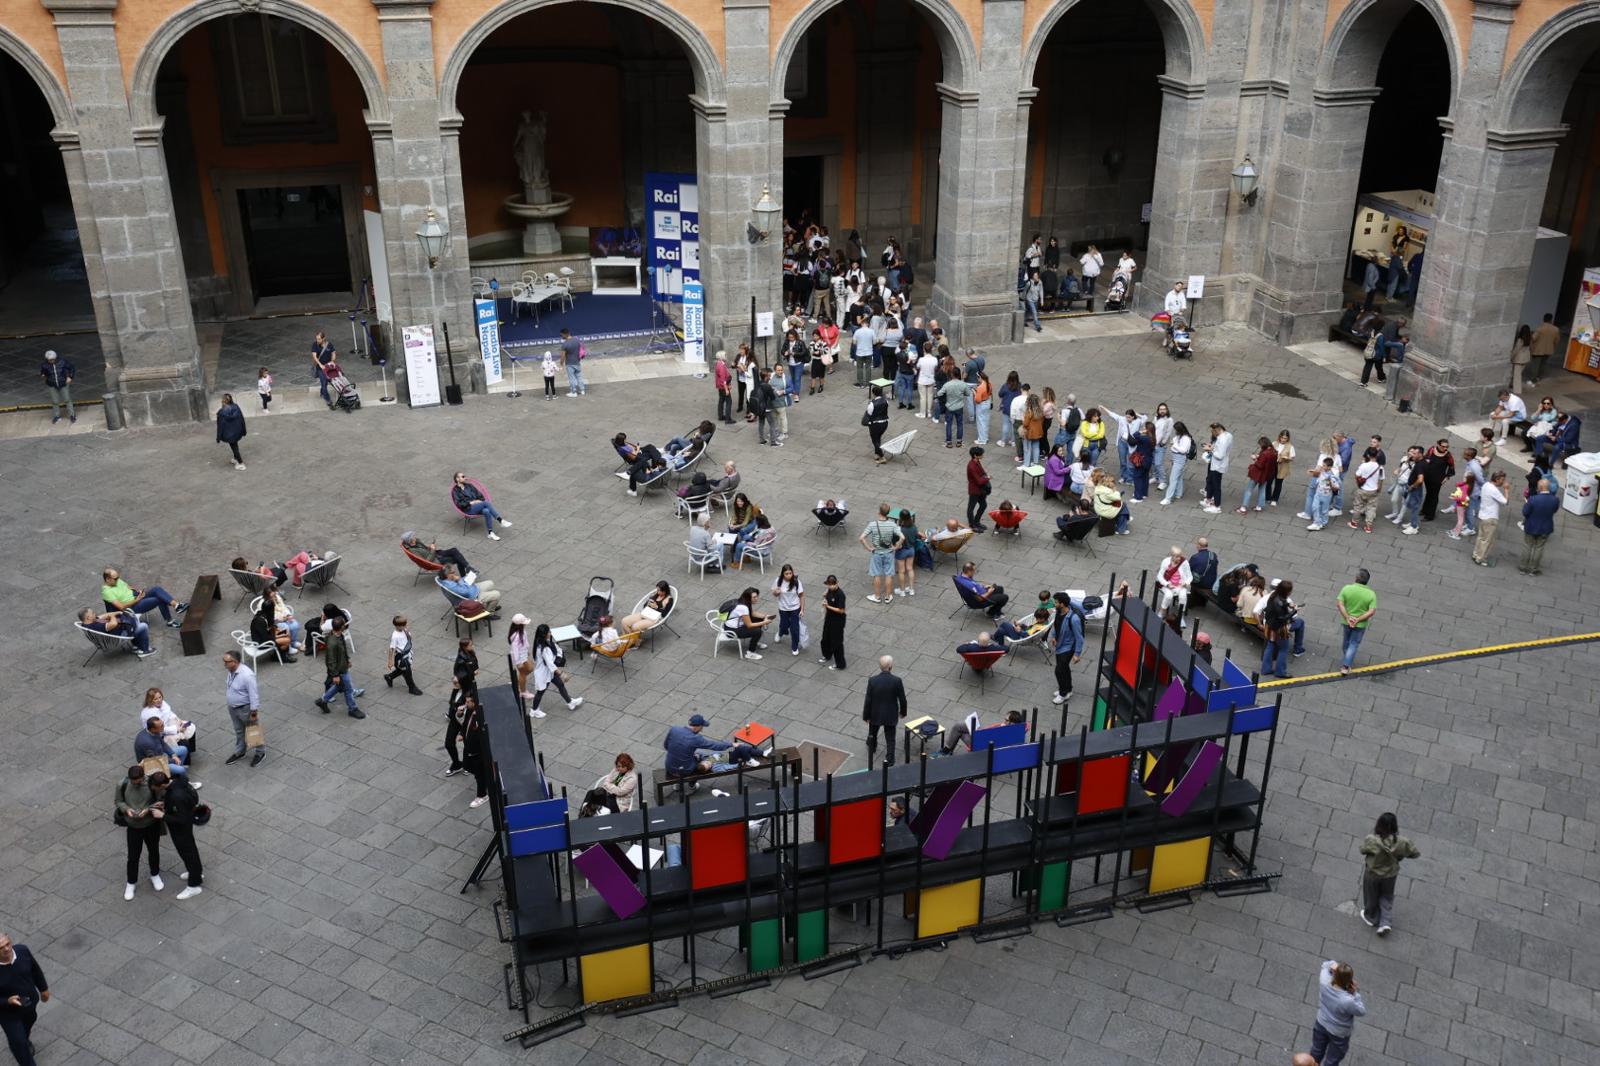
[1193,450]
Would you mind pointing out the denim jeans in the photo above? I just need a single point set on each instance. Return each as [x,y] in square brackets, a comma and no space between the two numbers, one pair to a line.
[795,372]
[1124,467]
[1122,518]
[1275,659]
[1327,1049]
[1311,497]
[1158,462]
[954,418]
[1352,641]
[1413,507]
[322,380]
[1007,427]
[1319,509]
[1030,452]
[905,389]
[486,509]
[789,622]
[1175,478]
[1032,316]
[342,683]
[1256,490]
[575,382]
[981,415]
[155,598]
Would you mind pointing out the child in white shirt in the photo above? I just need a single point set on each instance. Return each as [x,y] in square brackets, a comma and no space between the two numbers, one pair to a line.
[549,375]
[264,388]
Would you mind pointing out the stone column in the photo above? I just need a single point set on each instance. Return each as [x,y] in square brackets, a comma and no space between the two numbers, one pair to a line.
[734,156]
[1475,271]
[981,187]
[1190,206]
[121,192]
[418,165]
[1311,204]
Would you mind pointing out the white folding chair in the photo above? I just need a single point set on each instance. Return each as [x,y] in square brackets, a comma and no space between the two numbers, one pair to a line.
[714,619]
[702,558]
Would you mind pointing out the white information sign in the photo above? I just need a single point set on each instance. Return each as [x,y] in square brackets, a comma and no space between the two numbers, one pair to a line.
[422,366]
[1197,286]
[763,323]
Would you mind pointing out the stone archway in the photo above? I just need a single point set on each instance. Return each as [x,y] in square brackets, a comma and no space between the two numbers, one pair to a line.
[54,93]
[1180,29]
[1535,85]
[956,48]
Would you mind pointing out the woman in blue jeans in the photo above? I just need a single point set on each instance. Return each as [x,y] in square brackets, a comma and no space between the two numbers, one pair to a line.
[1278,616]
[1339,1004]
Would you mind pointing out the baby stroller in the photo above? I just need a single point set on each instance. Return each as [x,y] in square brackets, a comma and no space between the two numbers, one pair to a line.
[1117,295]
[346,398]
[596,605]
[1180,340]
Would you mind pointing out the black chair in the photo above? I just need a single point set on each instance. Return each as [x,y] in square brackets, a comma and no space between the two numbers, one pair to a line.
[1076,531]
[968,600]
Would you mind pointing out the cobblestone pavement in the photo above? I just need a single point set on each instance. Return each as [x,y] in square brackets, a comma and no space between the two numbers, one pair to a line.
[331,929]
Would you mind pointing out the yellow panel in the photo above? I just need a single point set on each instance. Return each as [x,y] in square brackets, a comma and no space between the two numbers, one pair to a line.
[1179,865]
[615,974]
[948,907]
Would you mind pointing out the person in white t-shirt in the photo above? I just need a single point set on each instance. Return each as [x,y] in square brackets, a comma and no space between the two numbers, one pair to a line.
[1369,481]
[1508,411]
[1177,303]
[1125,267]
[1489,503]
[1091,261]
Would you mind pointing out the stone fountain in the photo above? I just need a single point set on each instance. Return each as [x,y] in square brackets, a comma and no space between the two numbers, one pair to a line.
[538,206]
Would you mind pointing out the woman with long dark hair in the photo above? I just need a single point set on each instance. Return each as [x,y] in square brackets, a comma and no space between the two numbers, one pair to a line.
[547,661]
[791,594]
[743,621]
[1383,849]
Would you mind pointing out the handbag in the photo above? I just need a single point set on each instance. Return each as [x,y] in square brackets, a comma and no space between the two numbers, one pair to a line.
[118,817]
[202,814]
[254,736]
[1372,346]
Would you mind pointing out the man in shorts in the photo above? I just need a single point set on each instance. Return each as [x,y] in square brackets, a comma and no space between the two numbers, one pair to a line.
[882,537]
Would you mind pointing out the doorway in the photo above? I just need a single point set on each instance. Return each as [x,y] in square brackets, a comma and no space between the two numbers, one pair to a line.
[295,240]
[802,188]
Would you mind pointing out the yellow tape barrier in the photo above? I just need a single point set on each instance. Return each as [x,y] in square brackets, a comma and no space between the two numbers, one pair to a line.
[1428,660]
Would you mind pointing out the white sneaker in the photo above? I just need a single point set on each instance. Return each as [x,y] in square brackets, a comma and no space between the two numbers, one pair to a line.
[1212,510]
[1392,516]
[1161,484]
[823,661]
[196,785]
[1335,513]
[631,492]
[481,800]
[1058,698]
[795,652]
[911,592]
[873,598]
[1383,930]
[575,704]
[190,892]
[471,577]
[127,893]
[1165,501]
[751,655]
[155,882]
[1302,514]
[534,712]
[899,592]
[493,535]
[1314,527]
[1410,531]
[506,522]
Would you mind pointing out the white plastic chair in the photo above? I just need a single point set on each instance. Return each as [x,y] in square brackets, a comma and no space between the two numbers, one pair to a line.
[254,650]
[703,558]
[715,620]
[762,555]
[900,446]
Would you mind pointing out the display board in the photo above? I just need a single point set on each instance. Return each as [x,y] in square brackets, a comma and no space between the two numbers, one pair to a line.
[672,203]
[422,366]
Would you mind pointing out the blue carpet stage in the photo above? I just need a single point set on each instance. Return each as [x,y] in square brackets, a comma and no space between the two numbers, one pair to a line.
[591,318]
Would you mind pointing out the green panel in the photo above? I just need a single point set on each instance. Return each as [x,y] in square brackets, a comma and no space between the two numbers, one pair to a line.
[811,941]
[1053,886]
[766,945]
[1098,719]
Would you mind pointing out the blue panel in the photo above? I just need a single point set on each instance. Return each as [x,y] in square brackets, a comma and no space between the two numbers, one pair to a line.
[1000,736]
[539,841]
[540,812]
[1199,683]
[1255,719]
[1018,757]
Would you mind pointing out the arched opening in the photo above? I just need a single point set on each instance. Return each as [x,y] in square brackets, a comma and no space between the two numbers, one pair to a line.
[1092,159]
[1396,192]
[576,117]
[1572,202]
[44,287]
[862,136]
[270,165]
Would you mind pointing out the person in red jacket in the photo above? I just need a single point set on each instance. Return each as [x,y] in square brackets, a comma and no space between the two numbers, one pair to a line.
[977,489]
[1263,468]
[724,381]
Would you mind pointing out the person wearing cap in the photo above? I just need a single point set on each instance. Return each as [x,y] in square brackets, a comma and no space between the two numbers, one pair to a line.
[684,745]
[58,374]
[1202,645]
[429,552]
[520,652]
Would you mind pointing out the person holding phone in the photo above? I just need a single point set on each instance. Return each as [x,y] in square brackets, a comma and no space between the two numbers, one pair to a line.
[22,989]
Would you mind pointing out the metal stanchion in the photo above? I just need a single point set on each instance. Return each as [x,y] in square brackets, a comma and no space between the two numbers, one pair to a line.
[382,373]
[514,361]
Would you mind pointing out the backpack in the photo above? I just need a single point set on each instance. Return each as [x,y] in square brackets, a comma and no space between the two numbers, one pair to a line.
[1193,451]
[824,274]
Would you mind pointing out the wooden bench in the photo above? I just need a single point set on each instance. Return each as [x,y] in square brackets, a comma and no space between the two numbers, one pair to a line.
[787,761]
[1349,336]
[207,590]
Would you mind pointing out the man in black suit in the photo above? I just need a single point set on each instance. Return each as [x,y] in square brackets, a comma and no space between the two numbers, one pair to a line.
[22,989]
[884,704]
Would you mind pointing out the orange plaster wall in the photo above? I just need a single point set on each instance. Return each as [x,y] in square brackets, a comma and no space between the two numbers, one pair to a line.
[353,148]
[33,26]
[137,22]
[453,18]
[1531,14]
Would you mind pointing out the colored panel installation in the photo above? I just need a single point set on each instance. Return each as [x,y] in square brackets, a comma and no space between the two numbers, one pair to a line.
[1181,865]
[610,880]
[717,856]
[766,945]
[948,908]
[1105,784]
[855,830]
[615,974]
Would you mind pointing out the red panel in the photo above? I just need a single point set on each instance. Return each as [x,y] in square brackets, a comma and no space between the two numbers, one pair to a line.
[1105,784]
[1129,644]
[717,855]
[1066,778]
[855,830]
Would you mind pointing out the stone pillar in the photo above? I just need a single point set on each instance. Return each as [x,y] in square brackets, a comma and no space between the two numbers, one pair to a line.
[418,163]
[735,156]
[1475,271]
[981,188]
[1311,204]
[1190,207]
[121,192]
